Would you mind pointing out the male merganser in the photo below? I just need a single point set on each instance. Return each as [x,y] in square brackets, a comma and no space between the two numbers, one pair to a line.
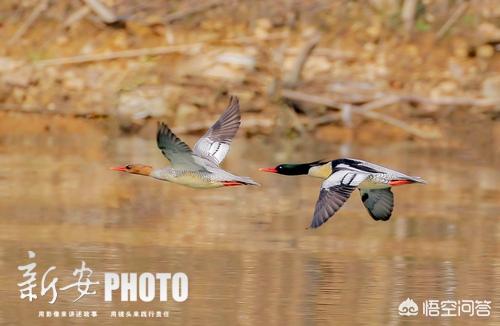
[198,168]
[342,176]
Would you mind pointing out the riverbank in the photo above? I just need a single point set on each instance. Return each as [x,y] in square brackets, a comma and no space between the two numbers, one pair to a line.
[316,68]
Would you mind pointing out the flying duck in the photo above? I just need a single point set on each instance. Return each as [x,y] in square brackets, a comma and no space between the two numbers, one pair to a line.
[197,168]
[344,175]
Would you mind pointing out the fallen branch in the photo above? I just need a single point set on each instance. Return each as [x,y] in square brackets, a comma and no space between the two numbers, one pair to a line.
[76,16]
[94,57]
[162,50]
[326,52]
[337,116]
[41,7]
[459,11]
[46,112]
[451,101]
[388,99]
[191,11]
[315,99]
[101,10]
[378,103]
[408,15]
[293,78]
[325,120]
[400,124]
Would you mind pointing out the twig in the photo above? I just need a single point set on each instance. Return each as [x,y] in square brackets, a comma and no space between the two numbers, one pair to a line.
[326,52]
[459,11]
[400,124]
[359,109]
[41,7]
[408,15]
[46,112]
[315,99]
[378,103]
[388,99]
[191,11]
[293,78]
[85,58]
[451,101]
[337,116]
[76,16]
[325,119]
[104,13]
[162,50]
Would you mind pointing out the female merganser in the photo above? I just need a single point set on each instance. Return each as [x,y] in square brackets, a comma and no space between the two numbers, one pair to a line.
[198,168]
[342,176]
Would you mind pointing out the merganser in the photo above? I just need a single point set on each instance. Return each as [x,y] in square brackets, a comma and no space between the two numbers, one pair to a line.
[344,175]
[197,168]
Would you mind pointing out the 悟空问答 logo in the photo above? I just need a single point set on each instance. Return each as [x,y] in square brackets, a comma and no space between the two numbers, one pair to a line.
[408,308]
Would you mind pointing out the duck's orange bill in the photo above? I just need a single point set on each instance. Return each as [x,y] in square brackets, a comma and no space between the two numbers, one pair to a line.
[119,168]
[272,170]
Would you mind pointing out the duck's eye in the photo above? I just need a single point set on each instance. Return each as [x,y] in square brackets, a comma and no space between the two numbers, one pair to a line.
[128,167]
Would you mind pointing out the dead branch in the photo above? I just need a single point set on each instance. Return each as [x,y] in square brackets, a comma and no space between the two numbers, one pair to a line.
[408,15]
[451,101]
[459,11]
[162,50]
[325,119]
[293,78]
[315,99]
[41,7]
[400,124]
[326,52]
[388,99]
[101,10]
[378,103]
[76,16]
[181,14]
[94,57]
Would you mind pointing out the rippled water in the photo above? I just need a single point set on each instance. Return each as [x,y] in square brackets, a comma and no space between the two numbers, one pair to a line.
[246,251]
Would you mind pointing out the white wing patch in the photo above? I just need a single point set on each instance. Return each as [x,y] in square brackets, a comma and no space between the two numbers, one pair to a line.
[212,150]
[344,178]
[214,145]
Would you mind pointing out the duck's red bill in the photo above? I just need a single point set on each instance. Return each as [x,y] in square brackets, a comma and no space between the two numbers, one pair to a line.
[119,168]
[272,170]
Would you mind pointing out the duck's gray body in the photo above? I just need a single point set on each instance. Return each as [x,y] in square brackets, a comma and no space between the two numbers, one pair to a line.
[199,168]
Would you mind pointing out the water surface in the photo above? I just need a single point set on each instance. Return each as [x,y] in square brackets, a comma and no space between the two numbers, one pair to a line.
[246,251]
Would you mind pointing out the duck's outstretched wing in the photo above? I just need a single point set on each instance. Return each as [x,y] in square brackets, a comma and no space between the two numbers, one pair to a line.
[214,145]
[175,150]
[333,194]
[378,202]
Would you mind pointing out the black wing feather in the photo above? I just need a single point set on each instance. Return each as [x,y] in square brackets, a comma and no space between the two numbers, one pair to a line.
[329,202]
[378,202]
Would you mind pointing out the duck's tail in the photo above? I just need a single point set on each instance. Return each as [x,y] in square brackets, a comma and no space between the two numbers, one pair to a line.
[418,180]
[407,180]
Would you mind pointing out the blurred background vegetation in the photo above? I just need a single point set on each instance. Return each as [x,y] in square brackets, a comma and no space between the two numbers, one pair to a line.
[401,68]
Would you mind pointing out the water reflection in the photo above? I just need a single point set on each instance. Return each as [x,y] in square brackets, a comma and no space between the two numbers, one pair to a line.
[246,250]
